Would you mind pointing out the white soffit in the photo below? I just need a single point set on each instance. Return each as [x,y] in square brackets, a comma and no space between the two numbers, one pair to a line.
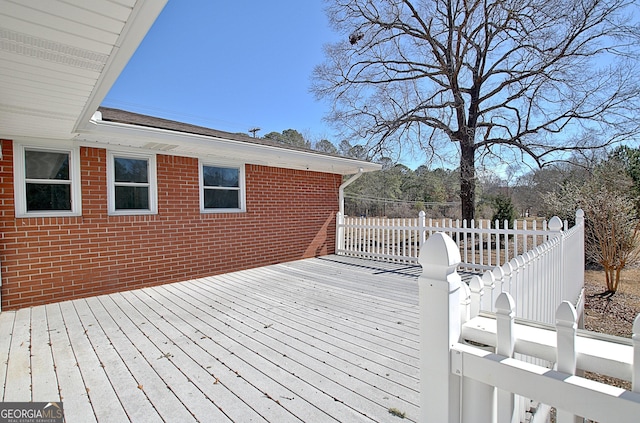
[58,59]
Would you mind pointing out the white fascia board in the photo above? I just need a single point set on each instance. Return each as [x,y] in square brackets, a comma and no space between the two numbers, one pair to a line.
[204,146]
[142,17]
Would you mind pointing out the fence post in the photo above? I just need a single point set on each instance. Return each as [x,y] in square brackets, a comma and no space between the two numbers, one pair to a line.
[439,286]
[339,232]
[423,228]
[635,367]
[577,272]
[505,344]
[554,227]
[566,326]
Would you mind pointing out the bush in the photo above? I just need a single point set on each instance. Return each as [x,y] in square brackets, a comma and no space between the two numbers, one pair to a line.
[612,228]
[504,210]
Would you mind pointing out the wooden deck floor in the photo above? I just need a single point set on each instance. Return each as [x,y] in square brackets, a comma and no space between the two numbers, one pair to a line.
[317,340]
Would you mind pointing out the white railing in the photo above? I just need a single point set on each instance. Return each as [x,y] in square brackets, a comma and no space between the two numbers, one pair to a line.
[482,246]
[548,270]
[539,279]
[470,363]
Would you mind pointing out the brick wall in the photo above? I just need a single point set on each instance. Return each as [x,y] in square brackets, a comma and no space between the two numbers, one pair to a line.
[290,215]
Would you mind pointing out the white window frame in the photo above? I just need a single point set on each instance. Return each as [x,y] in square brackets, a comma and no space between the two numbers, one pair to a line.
[111,183]
[241,186]
[20,181]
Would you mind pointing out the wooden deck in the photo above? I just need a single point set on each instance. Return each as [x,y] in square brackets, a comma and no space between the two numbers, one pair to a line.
[316,340]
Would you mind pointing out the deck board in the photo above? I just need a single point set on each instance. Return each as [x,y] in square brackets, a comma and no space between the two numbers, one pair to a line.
[7,320]
[159,351]
[190,357]
[300,323]
[251,378]
[71,387]
[104,400]
[18,384]
[129,391]
[237,351]
[43,375]
[163,400]
[324,340]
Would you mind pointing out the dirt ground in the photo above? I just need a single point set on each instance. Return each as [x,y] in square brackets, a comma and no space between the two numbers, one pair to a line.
[613,316]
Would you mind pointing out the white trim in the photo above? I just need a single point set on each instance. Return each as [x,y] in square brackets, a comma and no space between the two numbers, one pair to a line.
[136,27]
[19,178]
[153,183]
[241,183]
[99,132]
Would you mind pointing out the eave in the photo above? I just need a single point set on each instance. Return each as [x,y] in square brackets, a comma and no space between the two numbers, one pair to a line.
[116,135]
[58,60]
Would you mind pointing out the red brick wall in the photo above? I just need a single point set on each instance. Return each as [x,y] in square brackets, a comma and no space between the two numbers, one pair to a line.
[290,215]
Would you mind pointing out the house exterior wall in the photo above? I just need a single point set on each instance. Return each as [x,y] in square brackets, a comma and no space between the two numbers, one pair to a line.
[290,214]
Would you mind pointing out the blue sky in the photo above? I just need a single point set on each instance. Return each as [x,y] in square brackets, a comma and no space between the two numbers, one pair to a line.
[230,65]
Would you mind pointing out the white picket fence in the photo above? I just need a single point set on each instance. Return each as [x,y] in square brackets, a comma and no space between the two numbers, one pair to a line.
[482,245]
[471,366]
[539,267]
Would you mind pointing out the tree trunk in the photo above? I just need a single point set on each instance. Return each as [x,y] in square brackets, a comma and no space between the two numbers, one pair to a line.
[607,277]
[468,179]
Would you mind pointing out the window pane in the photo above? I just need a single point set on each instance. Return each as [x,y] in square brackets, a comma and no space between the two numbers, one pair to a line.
[128,198]
[46,165]
[221,199]
[131,170]
[42,197]
[221,176]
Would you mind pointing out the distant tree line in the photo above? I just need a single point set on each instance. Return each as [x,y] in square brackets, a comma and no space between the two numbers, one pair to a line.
[395,191]
[605,185]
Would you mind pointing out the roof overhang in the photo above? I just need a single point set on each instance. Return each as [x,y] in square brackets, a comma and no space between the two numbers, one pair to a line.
[109,134]
[59,59]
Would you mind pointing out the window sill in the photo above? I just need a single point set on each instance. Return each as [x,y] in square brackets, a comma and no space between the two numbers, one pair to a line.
[220,211]
[132,212]
[27,215]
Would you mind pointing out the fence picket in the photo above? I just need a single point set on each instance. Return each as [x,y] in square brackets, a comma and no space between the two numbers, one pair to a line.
[476,286]
[566,327]
[505,345]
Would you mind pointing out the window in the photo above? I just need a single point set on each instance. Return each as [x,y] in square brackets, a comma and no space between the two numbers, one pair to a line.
[47,181]
[132,184]
[222,188]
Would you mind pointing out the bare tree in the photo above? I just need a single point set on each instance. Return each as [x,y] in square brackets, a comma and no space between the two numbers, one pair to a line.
[612,235]
[511,80]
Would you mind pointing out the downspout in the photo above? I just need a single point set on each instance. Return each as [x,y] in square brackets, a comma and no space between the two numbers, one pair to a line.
[340,215]
[346,184]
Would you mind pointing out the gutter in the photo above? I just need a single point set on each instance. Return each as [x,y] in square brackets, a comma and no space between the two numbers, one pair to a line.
[346,184]
[174,142]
